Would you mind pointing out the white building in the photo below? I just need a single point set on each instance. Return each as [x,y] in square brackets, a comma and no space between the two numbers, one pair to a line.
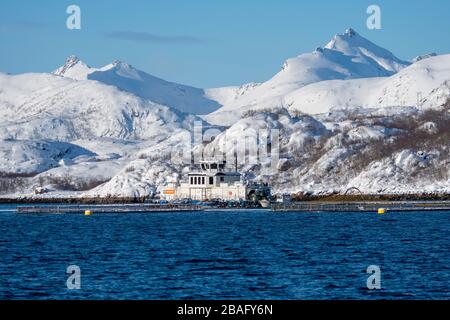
[214,182]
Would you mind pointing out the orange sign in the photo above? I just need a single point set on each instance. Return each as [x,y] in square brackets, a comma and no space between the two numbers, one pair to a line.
[169,191]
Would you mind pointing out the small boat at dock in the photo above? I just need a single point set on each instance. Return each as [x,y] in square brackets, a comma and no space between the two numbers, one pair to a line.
[264,203]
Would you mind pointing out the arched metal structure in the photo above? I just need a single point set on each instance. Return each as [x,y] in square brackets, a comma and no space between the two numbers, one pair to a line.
[351,189]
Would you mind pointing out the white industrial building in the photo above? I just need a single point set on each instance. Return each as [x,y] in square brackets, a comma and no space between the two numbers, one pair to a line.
[212,181]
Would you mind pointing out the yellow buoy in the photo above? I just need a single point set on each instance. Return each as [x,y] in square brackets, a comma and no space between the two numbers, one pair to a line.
[381,210]
[87,212]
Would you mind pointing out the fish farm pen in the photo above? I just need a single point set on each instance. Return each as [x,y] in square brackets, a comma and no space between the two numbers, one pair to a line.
[362,206]
[113,208]
[374,206]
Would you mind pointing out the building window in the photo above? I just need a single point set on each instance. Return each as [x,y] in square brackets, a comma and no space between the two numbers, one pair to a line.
[203,180]
[192,180]
[222,179]
[211,180]
[195,180]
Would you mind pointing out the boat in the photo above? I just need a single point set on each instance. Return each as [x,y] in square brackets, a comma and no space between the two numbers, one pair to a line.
[264,203]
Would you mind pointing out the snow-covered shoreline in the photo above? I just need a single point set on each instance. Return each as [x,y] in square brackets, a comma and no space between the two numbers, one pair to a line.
[306,197]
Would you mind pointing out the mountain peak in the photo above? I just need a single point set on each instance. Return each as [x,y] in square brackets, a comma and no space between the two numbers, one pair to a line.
[123,69]
[350,32]
[117,63]
[362,50]
[349,37]
[72,68]
[72,59]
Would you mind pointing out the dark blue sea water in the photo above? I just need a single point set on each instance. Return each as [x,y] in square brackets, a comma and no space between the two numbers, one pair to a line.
[225,255]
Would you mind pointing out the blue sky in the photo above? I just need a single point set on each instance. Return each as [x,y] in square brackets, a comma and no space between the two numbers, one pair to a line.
[207,43]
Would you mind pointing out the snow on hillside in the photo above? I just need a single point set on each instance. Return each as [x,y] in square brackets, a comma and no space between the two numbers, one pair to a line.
[412,86]
[76,133]
[44,106]
[148,169]
[34,156]
[125,77]
[424,56]
[402,151]
[393,174]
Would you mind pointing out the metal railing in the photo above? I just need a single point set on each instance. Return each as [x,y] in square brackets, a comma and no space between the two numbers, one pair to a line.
[362,206]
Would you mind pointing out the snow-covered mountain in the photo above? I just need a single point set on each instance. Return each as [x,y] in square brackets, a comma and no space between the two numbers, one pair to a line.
[126,77]
[346,56]
[347,115]
[416,85]
[45,106]
[77,130]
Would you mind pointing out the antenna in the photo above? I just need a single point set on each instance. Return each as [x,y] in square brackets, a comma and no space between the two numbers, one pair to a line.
[224,156]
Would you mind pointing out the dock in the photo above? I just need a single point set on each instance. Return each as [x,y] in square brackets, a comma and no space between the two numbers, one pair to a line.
[372,206]
[112,208]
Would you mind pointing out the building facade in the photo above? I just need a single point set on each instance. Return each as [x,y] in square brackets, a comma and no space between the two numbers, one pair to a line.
[212,181]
